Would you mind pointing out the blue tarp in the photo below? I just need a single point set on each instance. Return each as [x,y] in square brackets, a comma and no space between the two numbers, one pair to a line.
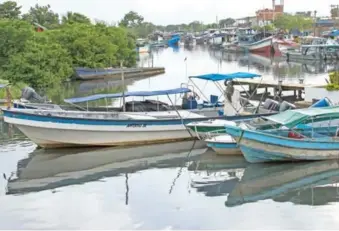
[334,33]
[219,77]
[127,94]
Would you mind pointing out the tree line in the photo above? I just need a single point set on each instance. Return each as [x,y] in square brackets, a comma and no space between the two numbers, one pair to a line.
[48,58]
[136,24]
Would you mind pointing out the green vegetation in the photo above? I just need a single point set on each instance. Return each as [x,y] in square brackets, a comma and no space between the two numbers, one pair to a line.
[269,27]
[15,89]
[289,22]
[43,59]
[334,81]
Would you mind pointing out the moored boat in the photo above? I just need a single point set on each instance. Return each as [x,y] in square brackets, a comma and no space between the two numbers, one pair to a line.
[216,127]
[300,135]
[130,125]
[143,49]
[263,46]
[58,128]
[101,73]
[223,145]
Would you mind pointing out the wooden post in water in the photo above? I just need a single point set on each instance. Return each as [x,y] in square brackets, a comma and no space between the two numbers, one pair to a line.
[123,86]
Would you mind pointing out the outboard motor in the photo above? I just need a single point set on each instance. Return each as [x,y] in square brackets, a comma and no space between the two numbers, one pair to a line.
[271,105]
[284,106]
[29,94]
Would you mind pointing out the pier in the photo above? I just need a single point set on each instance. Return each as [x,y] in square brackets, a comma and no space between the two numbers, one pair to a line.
[253,85]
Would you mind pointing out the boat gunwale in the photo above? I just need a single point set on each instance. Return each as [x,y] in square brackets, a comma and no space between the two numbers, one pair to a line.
[24,112]
[307,140]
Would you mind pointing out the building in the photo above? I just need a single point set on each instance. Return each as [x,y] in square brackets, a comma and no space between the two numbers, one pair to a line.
[246,22]
[267,16]
[38,27]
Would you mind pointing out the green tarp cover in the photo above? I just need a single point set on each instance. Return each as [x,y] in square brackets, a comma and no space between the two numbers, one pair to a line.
[291,118]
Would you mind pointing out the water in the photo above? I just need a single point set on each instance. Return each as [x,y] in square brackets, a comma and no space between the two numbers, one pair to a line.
[169,186]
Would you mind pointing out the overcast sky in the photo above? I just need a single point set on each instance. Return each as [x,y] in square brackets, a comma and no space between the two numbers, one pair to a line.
[175,11]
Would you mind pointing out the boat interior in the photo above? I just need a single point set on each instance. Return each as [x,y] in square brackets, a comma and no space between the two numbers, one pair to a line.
[319,133]
[269,105]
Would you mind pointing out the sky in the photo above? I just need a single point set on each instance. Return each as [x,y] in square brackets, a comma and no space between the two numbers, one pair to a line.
[164,12]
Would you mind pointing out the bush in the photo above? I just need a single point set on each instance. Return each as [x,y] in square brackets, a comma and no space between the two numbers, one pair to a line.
[334,81]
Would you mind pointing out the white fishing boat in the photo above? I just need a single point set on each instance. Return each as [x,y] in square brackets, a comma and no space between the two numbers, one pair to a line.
[61,128]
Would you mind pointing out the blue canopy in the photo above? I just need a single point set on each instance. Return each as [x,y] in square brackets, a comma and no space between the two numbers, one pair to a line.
[127,94]
[218,77]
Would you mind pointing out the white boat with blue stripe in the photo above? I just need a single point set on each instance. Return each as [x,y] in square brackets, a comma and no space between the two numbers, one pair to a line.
[61,128]
[303,134]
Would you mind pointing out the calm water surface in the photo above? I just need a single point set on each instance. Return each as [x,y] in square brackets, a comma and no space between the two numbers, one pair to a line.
[168,186]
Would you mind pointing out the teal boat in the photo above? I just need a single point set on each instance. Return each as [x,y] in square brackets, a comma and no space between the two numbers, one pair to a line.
[215,127]
[303,134]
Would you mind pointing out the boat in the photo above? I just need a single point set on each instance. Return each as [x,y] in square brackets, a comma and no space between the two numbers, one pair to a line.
[103,128]
[132,124]
[320,49]
[262,46]
[306,183]
[174,40]
[217,39]
[224,144]
[189,40]
[313,52]
[301,134]
[140,42]
[82,73]
[209,128]
[143,49]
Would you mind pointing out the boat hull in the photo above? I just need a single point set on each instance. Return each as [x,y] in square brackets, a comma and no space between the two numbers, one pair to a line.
[259,147]
[263,46]
[256,152]
[92,74]
[223,145]
[227,149]
[53,135]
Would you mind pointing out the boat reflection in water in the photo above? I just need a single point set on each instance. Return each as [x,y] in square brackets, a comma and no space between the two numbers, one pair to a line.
[51,169]
[307,183]
[216,175]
